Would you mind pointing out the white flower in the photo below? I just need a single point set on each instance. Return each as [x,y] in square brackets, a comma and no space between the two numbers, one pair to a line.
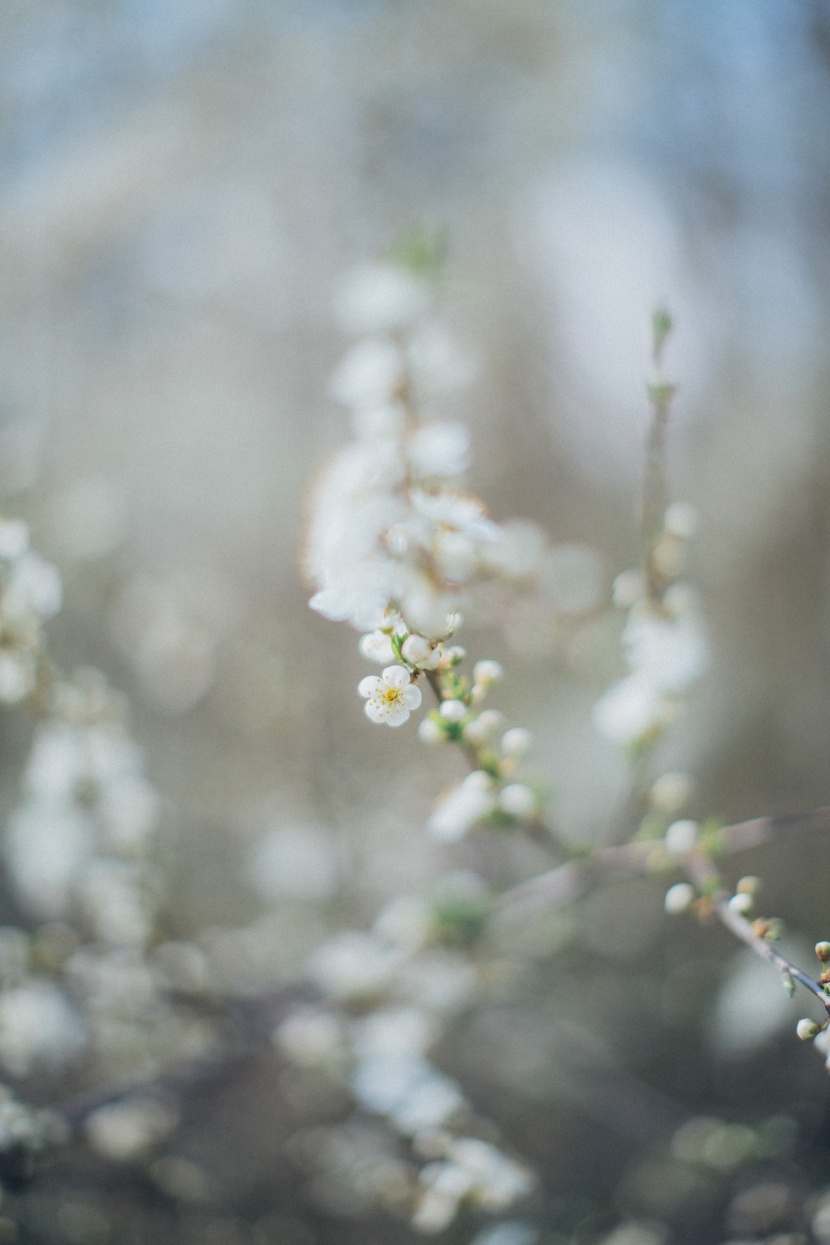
[436,363]
[459,811]
[14,537]
[390,698]
[379,421]
[441,448]
[483,728]
[453,710]
[517,800]
[353,965]
[631,709]
[681,520]
[516,549]
[420,652]
[380,298]
[377,646]
[429,732]
[627,589]
[34,588]
[741,903]
[679,898]
[681,837]
[671,792]
[672,652]
[369,375]
[516,742]
[487,672]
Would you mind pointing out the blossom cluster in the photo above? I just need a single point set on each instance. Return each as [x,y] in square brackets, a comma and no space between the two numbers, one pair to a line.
[391,994]
[664,643]
[30,594]
[84,984]
[393,533]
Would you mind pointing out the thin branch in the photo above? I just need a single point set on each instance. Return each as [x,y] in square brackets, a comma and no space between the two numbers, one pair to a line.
[705,876]
[570,881]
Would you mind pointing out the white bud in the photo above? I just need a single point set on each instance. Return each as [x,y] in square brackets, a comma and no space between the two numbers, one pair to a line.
[517,800]
[377,646]
[679,898]
[681,837]
[482,729]
[487,672]
[453,710]
[416,649]
[671,792]
[807,1030]
[742,904]
[452,655]
[516,742]
[627,589]
[429,732]
[681,520]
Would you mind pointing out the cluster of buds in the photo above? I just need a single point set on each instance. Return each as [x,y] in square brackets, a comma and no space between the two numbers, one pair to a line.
[810,1030]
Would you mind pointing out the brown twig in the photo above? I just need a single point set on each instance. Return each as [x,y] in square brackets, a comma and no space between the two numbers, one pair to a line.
[705,876]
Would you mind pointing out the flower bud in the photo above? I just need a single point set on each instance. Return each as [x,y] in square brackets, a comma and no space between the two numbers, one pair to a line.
[516,742]
[748,885]
[429,732]
[487,672]
[416,650]
[482,729]
[671,792]
[453,710]
[679,898]
[823,951]
[681,837]
[807,1030]
[741,903]
[517,800]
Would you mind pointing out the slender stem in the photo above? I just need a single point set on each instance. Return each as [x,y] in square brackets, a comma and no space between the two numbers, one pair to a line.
[655,489]
[704,874]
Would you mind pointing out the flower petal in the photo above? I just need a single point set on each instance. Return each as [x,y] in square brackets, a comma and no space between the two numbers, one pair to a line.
[371,686]
[377,710]
[411,697]
[396,676]
[398,714]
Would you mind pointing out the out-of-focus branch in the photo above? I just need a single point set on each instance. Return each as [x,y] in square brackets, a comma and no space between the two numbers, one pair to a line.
[570,881]
[660,392]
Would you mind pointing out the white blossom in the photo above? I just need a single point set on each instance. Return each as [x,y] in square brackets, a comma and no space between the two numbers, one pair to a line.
[671,792]
[516,742]
[453,710]
[429,732]
[440,448]
[420,652]
[369,375]
[518,801]
[472,800]
[381,298]
[679,898]
[682,836]
[38,1029]
[391,697]
[484,728]
[487,672]
[377,646]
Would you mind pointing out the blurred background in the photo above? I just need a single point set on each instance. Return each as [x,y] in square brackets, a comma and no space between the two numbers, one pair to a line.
[184,185]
